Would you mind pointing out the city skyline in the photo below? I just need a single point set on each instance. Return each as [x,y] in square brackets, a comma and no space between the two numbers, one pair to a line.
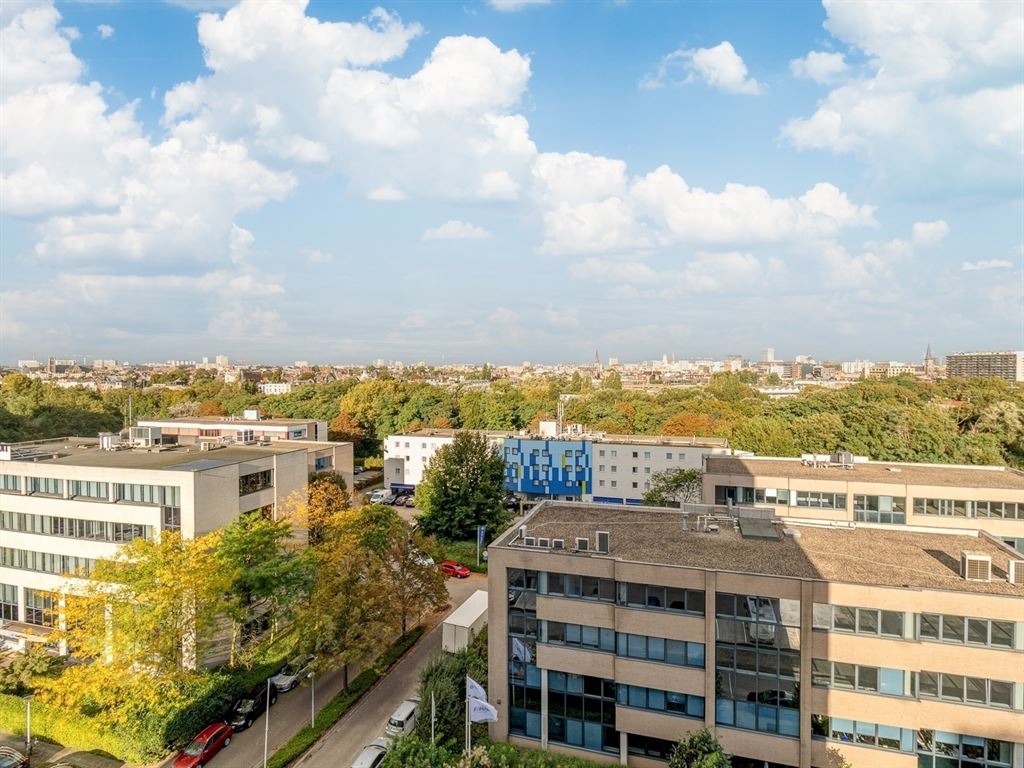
[283,181]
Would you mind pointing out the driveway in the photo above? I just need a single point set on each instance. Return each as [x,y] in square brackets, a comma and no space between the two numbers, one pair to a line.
[363,723]
[292,710]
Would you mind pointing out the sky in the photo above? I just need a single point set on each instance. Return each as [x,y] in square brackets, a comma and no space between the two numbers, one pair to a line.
[510,180]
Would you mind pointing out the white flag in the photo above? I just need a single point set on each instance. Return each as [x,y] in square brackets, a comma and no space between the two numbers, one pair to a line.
[474,690]
[482,712]
[520,651]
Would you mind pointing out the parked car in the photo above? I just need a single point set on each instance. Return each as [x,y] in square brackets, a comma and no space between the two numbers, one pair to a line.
[357,470]
[293,673]
[378,496]
[409,500]
[422,558]
[372,754]
[458,570]
[207,743]
[511,501]
[763,613]
[390,499]
[12,758]
[403,719]
[250,706]
[775,697]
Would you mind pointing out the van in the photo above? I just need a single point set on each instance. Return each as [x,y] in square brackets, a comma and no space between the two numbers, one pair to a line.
[403,719]
[379,495]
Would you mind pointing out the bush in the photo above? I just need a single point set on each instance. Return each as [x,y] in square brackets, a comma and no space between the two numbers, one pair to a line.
[414,752]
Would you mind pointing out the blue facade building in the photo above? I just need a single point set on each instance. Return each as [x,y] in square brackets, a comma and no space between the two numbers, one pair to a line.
[548,468]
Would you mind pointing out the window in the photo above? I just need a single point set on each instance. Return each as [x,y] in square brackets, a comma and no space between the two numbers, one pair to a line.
[614,468]
[8,602]
[72,527]
[869,734]
[863,621]
[166,495]
[10,483]
[256,481]
[890,510]
[615,483]
[581,712]
[170,519]
[964,689]
[595,638]
[647,454]
[601,453]
[677,652]
[661,598]
[89,490]
[668,702]
[39,608]
[958,630]
[46,486]
[615,454]
[820,499]
[1010,510]
[858,677]
[572,585]
[952,750]
[668,456]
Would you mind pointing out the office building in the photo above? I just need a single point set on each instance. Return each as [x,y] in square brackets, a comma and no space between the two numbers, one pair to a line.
[575,465]
[614,630]
[850,490]
[250,429]
[66,503]
[1004,365]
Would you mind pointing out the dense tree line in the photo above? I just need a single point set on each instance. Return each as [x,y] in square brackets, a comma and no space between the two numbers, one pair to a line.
[955,420]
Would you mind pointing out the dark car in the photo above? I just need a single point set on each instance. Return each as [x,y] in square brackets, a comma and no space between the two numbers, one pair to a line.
[390,499]
[250,706]
[12,758]
[511,502]
[207,743]
[774,697]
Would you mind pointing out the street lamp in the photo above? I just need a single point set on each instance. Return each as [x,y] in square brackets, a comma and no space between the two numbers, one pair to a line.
[266,726]
[312,698]
[28,724]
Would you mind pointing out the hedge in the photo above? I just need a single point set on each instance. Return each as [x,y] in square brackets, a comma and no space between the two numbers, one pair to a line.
[465,553]
[343,701]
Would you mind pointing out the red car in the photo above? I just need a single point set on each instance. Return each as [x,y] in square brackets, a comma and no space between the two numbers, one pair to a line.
[207,743]
[451,568]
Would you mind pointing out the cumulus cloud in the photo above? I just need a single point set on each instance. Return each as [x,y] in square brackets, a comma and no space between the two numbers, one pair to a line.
[453,229]
[930,232]
[514,5]
[942,80]
[720,67]
[105,31]
[819,66]
[985,264]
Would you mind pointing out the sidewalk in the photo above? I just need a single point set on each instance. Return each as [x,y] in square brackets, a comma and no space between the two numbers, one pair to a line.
[44,752]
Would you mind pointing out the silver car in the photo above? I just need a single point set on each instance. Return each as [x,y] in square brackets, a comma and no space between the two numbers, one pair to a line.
[293,673]
[372,754]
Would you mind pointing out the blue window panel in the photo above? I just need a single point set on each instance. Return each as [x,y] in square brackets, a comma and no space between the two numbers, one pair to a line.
[695,706]
[574,732]
[655,699]
[891,681]
[533,724]
[532,676]
[556,681]
[767,718]
[723,712]
[593,736]
[789,721]
[746,715]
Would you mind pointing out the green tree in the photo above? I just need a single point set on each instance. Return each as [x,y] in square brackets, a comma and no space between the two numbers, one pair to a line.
[20,672]
[444,679]
[699,749]
[611,380]
[462,488]
[674,486]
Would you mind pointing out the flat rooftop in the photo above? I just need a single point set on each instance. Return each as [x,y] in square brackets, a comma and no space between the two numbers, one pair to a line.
[954,475]
[874,556]
[598,437]
[232,420]
[85,452]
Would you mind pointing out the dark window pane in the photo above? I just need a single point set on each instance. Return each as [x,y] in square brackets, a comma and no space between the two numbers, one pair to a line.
[636,594]
[952,687]
[725,604]
[952,629]
[1001,693]
[675,599]
[695,601]
[867,678]
[844,675]
[977,631]
[975,690]
[892,623]
[844,619]
[1002,634]
[867,621]
[928,684]
[930,626]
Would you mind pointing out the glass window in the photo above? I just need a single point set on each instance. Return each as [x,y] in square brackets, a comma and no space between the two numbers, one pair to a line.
[930,623]
[1002,634]
[892,623]
[952,629]
[844,619]
[1000,693]
[928,684]
[844,675]
[867,678]
[867,621]
[891,681]
[953,687]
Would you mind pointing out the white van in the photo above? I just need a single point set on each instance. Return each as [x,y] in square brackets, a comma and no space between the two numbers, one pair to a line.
[403,719]
[379,495]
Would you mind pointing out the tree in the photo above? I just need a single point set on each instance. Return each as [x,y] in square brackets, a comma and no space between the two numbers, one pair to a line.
[836,759]
[688,423]
[612,380]
[699,749]
[267,572]
[444,679]
[210,408]
[325,499]
[20,672]
[462,488]
[345,428]
[674,486]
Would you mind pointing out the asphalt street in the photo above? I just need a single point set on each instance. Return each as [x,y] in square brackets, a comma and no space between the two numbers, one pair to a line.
[363,723]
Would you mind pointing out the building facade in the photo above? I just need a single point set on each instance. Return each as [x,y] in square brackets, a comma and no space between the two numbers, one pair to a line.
[584,467]
[1004,365]
[616,630]
[873,492]
[323,455]
[66,503]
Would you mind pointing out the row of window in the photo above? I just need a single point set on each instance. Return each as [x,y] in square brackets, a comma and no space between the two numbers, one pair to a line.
[964,689]
[758,609]
[939,749]
[657,700]
[615,484]
[38,605]
[636,454]
[861,621]
[753,716]
[136,493]
[677,652]
[890,510]
[1008,510]
[255,481]
[867,734]
[74,528]
[930,626]
[45,562]
[858,677]
[959,630]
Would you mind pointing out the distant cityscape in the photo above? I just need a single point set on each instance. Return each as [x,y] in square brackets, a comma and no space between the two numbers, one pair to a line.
[775,377]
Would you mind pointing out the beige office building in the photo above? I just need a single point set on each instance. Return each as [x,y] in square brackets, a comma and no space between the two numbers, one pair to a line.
[68,502]
[251,429]
[616,630]
[874,493]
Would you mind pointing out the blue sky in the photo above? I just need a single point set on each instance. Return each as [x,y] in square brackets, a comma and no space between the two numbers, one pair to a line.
[507,181]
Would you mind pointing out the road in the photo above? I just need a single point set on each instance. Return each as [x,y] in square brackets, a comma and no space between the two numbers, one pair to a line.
[361,725]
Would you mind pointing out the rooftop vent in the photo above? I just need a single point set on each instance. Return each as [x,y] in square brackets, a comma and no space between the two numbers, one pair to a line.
[522,532]
[975,566]
[560,544]
[543,542]
[582,545]
[529,541]
[1016,573]
[602,541]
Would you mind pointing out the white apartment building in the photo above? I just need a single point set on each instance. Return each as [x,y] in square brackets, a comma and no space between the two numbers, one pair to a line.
[407,456]
[68,502]
[622,465]
[274,387]
[1007,365]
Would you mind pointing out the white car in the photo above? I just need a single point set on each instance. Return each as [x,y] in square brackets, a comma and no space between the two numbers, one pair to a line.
[763,613]
[372,754]
[379,495]
[293,673]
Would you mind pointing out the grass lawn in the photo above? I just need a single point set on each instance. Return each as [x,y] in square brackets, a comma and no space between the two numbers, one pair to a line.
[465,553]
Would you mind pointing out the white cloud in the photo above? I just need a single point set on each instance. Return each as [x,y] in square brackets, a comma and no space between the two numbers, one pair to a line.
[984,264]
[386,194]
[35,51]
[613,271]
[819,66]
[105,31]
[943,81]
[720,67]
[561,317]
[454,229]
[316,256]
[930,232]
[515,5]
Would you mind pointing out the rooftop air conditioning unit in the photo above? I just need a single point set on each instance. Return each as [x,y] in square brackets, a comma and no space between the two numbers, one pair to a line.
[975,566]
[542,542]
[1016,574]
[529,541]
[582,545]
[560,544]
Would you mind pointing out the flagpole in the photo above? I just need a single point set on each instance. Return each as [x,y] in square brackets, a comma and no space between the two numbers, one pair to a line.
[433,715]
[467,724]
